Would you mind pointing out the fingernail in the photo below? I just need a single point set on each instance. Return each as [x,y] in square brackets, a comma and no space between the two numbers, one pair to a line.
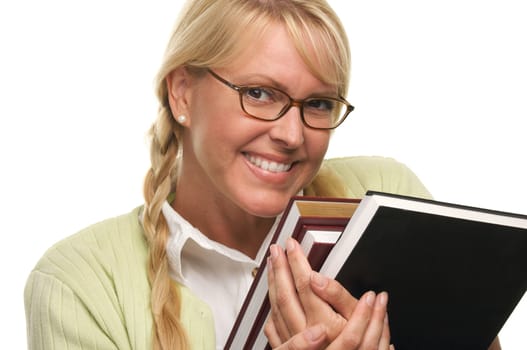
[370,298]
[383,299]
[314,333]
[274,251]
[392,347]
[319,280]
[269,264]
[290,245]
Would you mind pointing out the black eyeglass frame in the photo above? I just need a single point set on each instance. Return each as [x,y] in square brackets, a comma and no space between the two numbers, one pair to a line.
[241,89]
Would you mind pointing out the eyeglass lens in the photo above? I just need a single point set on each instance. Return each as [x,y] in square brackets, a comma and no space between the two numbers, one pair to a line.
[269,104]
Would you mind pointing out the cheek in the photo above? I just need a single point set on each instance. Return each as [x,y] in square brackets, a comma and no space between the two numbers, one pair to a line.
[316,149]
[215,135]
[317,144]
[208,143]
[206,120]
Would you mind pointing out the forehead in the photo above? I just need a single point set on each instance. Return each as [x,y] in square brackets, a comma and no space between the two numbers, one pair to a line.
[274,54]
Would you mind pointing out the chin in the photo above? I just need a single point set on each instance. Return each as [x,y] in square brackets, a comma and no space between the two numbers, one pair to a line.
[267,207]
[268,214]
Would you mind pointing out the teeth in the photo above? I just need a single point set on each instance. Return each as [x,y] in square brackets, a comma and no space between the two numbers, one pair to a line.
[266,165]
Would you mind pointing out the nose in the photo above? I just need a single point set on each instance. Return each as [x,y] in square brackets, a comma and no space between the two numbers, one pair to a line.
[289,129]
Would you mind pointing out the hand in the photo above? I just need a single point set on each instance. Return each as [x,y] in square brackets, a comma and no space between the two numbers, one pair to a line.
[367,326]
[311,338]
[301,298]
[293,304]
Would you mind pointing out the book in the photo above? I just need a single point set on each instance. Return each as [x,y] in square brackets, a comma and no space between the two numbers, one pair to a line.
[454,273]
[306,218]
[317,244]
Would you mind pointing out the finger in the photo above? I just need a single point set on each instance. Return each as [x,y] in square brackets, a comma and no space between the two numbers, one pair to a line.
[286,308]
[279,324]
[309,339]
[353,333]
[385,337]
[316,310]
[272,334]
[375,336]
[334,294]
[301,272]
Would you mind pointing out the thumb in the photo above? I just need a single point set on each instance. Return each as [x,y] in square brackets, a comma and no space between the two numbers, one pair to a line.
[334,294]
[309,339]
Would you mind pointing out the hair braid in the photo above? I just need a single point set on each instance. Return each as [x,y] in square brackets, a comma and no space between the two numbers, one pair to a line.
[168,332]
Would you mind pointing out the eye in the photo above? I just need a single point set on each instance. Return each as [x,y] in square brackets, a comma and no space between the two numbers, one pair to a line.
[258,94]
[320,105]
[263,95]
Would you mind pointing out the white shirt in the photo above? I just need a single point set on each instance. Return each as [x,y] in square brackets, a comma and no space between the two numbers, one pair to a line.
[218,275]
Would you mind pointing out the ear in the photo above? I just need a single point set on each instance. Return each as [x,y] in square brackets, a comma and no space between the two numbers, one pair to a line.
[179,93]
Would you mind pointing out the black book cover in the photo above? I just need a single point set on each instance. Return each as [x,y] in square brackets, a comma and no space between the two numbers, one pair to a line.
[452,282]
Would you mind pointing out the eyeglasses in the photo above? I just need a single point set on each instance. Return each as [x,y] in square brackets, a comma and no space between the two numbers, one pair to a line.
[267,103]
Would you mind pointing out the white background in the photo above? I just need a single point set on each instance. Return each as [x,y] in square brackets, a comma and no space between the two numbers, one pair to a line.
[440,86]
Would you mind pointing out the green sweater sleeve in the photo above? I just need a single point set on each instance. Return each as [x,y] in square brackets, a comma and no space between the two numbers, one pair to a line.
[91,291]
[352,177]
[58,319]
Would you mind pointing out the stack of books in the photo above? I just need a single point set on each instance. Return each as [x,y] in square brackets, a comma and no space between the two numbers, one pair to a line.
[454,273]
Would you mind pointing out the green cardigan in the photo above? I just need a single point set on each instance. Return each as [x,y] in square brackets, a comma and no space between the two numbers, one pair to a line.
[90,291]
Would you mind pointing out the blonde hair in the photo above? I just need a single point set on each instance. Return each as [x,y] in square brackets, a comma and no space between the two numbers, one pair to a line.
[210,33]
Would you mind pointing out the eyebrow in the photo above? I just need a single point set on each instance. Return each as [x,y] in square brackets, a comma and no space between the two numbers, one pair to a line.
[270,82]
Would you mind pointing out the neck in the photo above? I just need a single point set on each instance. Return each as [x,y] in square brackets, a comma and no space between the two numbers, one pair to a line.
[223,222]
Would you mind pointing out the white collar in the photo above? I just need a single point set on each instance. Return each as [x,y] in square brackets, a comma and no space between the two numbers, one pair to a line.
[181,232]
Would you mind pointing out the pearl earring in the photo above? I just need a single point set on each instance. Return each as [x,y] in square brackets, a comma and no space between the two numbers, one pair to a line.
[181,119]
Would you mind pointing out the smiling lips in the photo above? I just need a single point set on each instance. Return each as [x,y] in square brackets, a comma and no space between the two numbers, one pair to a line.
[268,165]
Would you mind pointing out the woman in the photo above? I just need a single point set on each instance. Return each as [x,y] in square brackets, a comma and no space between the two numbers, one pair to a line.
[240,160]
[249,92]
